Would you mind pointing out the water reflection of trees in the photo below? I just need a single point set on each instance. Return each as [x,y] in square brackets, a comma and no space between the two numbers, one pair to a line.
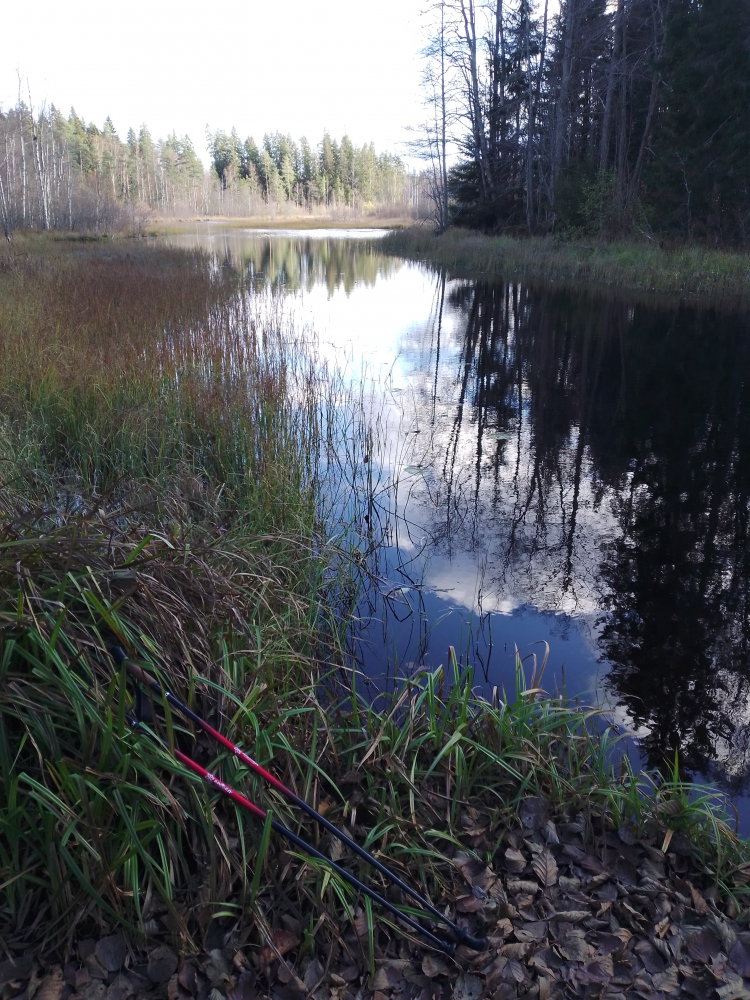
[300,263]
[600,455]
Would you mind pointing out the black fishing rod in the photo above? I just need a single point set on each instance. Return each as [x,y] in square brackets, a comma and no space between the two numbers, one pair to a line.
[461,935]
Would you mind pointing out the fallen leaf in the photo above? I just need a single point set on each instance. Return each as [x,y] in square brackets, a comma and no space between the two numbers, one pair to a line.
[522,885]
[626,872]
[351,778]
[550,833]
[515,862]
[545,868]
[495,971]
[469,904]
[740,959]
[121,988]
[283,942]
[628,832]
[515,969]
[652,868]
[532,931]
[533,812]
[433,966]
[15,969]
[662,927]
[592,864]
[574,946]
[111,952]
[734,989]
[607,893]
[593,973]
[569,884]
[650,957]
[467,987]
[721,930]
[389,975]
[609,944]
[571,916]
[51,986]
[243,989]
[515,950]
[162,964]
[667,981]
[699,901]
[186,977]
[702,945]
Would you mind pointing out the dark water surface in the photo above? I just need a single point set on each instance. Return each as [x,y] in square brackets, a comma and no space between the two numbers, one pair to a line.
[548,465]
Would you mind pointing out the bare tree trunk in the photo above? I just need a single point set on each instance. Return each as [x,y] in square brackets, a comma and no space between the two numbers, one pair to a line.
[4,207]
[609,100]
[477,118]
[24,186]
[622,142]
[653,100]
[530,115]
[443,120]
[562,104]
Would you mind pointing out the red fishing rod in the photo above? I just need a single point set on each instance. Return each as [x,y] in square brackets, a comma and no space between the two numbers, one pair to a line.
[460,934]
[446,946]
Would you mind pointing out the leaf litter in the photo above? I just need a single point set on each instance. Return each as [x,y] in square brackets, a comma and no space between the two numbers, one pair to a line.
[611,918]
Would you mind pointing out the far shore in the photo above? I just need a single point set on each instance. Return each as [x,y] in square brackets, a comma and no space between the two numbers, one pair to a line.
[162,227]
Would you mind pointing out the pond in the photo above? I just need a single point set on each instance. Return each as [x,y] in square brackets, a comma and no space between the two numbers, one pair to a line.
[549,465]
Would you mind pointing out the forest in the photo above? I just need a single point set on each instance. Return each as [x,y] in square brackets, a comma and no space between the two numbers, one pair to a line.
[60,172]
[600,117]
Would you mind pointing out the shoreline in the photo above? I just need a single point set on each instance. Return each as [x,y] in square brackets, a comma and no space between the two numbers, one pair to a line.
[690,273]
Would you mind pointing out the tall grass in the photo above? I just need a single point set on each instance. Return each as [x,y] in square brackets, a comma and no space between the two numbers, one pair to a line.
[629,268]
[121,365]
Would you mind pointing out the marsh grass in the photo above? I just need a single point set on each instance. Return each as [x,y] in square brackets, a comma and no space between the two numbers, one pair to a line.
[689,272]
[161,453]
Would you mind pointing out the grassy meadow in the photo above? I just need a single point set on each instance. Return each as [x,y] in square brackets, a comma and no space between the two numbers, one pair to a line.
[162,441]
[690,272]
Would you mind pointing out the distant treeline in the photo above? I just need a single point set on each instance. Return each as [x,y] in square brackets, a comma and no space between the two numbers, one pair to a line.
[331,173]
[59,172]
[591,116]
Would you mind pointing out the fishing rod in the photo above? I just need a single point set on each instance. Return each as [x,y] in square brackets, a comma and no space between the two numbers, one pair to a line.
[461,935]
[446,946]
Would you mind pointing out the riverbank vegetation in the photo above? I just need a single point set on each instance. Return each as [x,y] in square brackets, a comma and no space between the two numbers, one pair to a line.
[631,267]
[165,450]
[63,173]
[608,118]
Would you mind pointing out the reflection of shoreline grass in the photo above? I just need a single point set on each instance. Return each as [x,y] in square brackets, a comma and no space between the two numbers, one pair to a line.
[618,267]
[159,452]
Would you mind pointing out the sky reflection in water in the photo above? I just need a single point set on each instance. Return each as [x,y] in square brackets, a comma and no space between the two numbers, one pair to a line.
[560,466]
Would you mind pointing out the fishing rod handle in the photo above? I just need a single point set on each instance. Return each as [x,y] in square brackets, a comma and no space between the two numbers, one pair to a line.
[475,943]
[136,672]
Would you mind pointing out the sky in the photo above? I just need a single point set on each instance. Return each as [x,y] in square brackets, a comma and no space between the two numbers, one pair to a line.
[296,66]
